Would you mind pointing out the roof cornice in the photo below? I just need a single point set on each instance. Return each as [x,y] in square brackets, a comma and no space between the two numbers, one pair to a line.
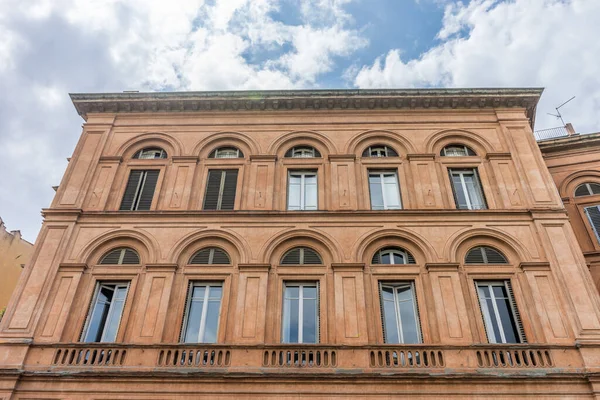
[272,100]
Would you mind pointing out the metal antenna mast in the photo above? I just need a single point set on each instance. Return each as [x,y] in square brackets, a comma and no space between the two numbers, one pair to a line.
[558,115]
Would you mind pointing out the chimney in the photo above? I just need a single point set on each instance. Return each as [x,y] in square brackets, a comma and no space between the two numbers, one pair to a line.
[570,129]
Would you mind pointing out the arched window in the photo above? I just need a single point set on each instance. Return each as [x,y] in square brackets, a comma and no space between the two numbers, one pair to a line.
[457,150]
[302,152]
[120,256]
[210,255]
[379,150]
[392,255]
[150,153]
[485,255]
[226,152]
[301,256]
[587,189]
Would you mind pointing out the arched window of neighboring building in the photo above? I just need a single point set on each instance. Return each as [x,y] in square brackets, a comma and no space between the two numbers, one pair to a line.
[150,153]
[587,189]
[120,256]
[301,256]
[302,152]
[392,256]
[379,150]
[226,152]
[485,255]
[210,255]
[457,150]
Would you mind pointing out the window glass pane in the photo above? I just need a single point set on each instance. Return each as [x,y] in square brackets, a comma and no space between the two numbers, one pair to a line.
[495,328]
[506,318]
[386,258]
[292,292]
[215,292]
[309,321]
[292,321]
[194,320]
[112,323]
[376,192]
[310,292]
[389,316]
[398,258]
[409,322]
[310,192]
[212,321]
[294,192]
[474,193]
[391,193]
[459,192]
[99,315]
[499,291]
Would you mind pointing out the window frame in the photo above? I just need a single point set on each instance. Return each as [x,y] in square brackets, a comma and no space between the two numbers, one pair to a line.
[380,154]
[145,168]
[594,230]
[461,171]
[590,192]
[313,153]
[203,316]
[381,173]
[303,173]
[394,285]
[91,310]
[466,148]
[224,172]
[486,316]
[215,153]
[301,284]
[162,153]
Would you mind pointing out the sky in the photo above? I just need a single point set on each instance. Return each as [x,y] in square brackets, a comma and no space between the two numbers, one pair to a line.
[49,48]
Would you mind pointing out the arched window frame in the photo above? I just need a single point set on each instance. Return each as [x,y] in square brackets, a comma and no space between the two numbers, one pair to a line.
[211,256]
[124,256]
[466,150]
[393,252]
[150,153]
[485,252]
[301,256]
[379,150]
[303,151]
[591,188]
[226,152]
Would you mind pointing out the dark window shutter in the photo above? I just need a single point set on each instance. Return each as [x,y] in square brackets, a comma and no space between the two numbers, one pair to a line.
[391,152]
[595,188]
[112,257]
[147,190]
[292,257]
[593,214]
[376,259]
[220,257]
[494,256]
[131,190]
[410,258]
[230,186]
[213,186]
[515,310]
[130,257]
[582,190]
[201,257]
[311,257]
[475,256]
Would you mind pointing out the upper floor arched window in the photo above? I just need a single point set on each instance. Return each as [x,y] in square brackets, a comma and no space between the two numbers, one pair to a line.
[210,255]
[457,150]
[379,150]
[587,189]
[301,256]
[392,256]
[120,256]
[226,152]
[150,153]
[485,255]
[302,152]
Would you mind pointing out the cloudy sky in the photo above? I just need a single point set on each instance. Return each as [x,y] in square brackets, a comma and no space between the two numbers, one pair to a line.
[49,48]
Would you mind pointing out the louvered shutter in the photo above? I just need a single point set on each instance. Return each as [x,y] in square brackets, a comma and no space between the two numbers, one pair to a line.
[516,313]
[593,214]
[229,188]
[480,302]
[130,257]
[376,259]
[494,256]
[381,310]
[475,256]
[311,257]
[595,188]
[147,190]
[131,190]
[201,257]
[213,186]
[112,257]
[410,258]
[220,257]
[582,190]
[292,257]
[391,152]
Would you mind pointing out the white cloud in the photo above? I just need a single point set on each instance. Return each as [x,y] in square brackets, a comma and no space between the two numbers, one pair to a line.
[547,43]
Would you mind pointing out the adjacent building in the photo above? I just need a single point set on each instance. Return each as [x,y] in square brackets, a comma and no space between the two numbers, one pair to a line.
[15,253]
[280,244]
[574,162]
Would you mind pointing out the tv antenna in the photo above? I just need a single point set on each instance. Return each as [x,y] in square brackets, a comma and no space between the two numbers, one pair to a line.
[558,115]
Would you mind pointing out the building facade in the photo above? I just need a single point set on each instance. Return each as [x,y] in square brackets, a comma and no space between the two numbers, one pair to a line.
[304,243]
[15,253]
[574,162]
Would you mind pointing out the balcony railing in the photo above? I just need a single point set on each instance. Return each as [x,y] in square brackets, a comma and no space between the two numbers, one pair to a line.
[551,133]
[318,358]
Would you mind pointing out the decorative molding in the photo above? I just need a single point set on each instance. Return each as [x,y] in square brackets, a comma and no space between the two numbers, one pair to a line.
[535,266]
[342,157]
[348,266]
[442,267]
[288,100]
[263,157]
[111,159]
[498,156]
[185,159]
[72,267]
[254,267]
[423,156]
[161,267]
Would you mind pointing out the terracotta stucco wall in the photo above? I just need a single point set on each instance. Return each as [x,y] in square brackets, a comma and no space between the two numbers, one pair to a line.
[15,252]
